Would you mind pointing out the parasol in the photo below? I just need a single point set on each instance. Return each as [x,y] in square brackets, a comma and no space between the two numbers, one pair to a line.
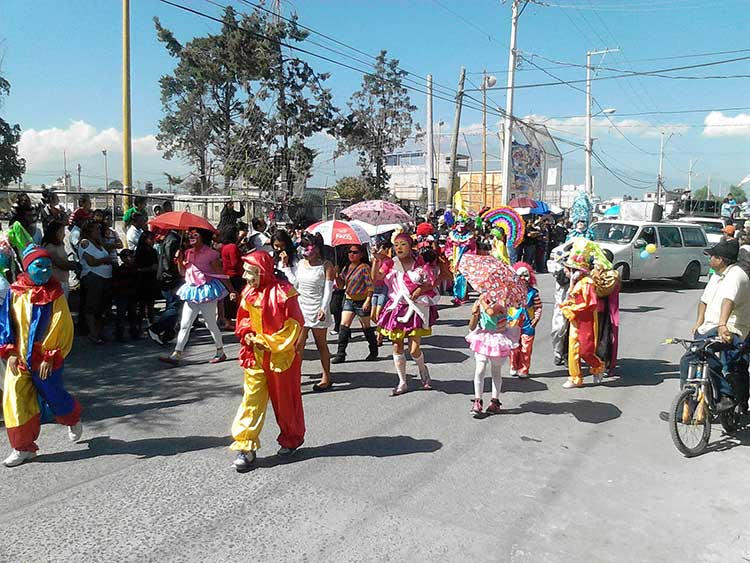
[507,219]
[338,233]
[499,281]
[517,202]
[377,212]
[181,221]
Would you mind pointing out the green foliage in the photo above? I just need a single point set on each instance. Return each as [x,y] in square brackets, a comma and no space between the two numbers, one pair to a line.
[379,122]
[173,181]
[702,193]
[738,193]
[12,166]
[354,189]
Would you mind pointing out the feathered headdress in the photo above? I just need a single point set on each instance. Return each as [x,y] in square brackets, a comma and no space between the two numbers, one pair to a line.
[24,244]
[585,254]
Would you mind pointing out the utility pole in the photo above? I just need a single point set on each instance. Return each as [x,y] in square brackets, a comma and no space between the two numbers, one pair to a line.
[690,175]
[484,138]
[439,157]
[106,171]
[660,178]
[589,141]
[430,156]
[79,177]
[65,170]
[508,126]
[127,165]
[454,138]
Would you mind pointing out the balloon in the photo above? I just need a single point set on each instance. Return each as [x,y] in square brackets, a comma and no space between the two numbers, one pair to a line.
[651,248]
[645,255]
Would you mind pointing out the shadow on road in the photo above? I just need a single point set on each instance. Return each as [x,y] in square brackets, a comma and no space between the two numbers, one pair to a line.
[371,446]
[592,412]
[640,371]
[727,442]
[640,309]
[648,286]
[466,386]
[144,449]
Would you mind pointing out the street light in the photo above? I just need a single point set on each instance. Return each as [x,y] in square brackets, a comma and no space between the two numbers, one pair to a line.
[590,145]
[106,172]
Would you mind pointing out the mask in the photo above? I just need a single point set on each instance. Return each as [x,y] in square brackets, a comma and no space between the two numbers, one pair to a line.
[40,271]
[461,227]
[251,275]
[307,251]
[193,238]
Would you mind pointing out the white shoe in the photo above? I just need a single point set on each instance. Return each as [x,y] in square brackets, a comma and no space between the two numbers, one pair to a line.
[17,458]
[570,385]
[75,432]
[598,379]
[523,375]
[513,372]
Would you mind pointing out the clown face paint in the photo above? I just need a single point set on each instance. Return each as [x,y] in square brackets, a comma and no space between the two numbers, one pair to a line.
[402,248]
[251,275]
[308,251]
[193,238]
[40,271]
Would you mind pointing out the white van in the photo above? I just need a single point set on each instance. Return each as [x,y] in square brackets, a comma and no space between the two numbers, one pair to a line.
[679,249]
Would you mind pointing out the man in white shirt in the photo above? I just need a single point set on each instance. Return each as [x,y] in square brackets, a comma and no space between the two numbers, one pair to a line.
[135,230]
[723,311]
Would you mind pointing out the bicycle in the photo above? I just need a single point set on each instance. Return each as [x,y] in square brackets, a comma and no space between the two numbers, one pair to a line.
[696,404]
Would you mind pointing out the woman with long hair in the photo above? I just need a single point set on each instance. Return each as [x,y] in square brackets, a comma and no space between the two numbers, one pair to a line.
[285,255]
[314,277]
[231,261]
[204,286]
[54,241]
[96,277]
[380,259]
[356,280]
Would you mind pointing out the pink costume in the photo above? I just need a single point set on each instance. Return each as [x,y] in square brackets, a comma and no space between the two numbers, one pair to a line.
[403,316]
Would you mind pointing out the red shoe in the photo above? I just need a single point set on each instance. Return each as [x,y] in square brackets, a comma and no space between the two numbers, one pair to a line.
[495,407]
[476,408]
[218,358]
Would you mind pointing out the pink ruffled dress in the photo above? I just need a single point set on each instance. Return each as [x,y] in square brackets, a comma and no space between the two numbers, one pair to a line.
[488,340]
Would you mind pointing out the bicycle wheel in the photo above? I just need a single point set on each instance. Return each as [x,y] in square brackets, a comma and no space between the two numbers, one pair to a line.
[730,421]
[689,423]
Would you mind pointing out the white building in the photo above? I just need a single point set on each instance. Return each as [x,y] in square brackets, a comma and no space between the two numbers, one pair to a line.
[408,175]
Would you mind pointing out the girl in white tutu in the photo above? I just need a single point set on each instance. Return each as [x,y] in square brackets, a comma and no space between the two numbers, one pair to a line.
[492,341]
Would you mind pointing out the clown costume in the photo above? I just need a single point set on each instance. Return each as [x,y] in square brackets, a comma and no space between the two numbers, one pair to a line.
[526,318]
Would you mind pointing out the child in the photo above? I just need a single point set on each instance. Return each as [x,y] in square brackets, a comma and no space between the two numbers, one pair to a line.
[491,341]
[125,293]
[526,318]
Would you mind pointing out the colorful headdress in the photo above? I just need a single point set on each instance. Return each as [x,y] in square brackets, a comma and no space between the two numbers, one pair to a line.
[507,219]
[585,254]
[581,208]
[22,241]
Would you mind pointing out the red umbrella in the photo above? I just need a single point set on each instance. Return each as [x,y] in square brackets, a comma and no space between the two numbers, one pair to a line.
[522,202]
[489,275]
[181,221]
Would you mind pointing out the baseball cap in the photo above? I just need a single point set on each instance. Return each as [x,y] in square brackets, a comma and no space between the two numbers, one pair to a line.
[728,249]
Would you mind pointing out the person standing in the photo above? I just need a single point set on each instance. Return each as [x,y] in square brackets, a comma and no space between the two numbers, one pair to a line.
[269,325]
[96,278]
[147,261]
[54,242]
[285,256]
[526,318]
[229,217]
[135,230]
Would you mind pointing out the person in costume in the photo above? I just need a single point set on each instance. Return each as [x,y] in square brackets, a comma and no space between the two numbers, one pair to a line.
[580,217]
[526,318]
[580,308]
[607,284]
[460,241]
[204,286]
[492,341]
[36,335]
[269,327]
[560,325]
[407,268]
[499,243]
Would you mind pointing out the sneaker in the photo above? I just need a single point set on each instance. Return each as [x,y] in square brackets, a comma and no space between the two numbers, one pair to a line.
[570,385]
[514,372]
[75,432]
[173,359]
[283,451]
[17,457]
[243,461]
[523,375]
[598,379]
[372,357]
[559,360]
[218,358]
[334,332]
[155,337]
[476,408]
[495,407]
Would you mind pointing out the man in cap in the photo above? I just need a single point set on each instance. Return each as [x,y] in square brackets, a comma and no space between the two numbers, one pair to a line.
[724,311]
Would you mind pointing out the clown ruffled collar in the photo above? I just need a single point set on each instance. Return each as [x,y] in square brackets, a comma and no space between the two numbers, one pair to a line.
[40,294]
[460,238]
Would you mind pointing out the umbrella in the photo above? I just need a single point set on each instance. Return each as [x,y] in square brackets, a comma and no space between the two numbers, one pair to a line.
[556,209]
[377,212]
[489,275]
[523,210]
[540,208]
[522,202]
[181,221]
[374,230]
[612,211]
[338,233]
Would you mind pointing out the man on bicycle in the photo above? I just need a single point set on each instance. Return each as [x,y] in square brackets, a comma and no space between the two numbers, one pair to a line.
[723,311]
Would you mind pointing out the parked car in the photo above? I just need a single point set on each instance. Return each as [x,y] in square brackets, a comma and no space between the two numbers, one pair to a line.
[679,249]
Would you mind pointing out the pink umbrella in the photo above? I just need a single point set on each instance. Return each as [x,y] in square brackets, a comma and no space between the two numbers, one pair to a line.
[339,233]
[499,281]
[377,212]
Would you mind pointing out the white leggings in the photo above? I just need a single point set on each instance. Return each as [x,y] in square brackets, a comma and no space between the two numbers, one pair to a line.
[494,366]
[190,312]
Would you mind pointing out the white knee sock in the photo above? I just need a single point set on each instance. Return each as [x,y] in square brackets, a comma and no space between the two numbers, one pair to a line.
[424,373]
[479,371]
[496,367]
[399,360]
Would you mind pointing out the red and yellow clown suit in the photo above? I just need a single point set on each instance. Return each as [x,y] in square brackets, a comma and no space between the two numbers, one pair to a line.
[580,309]
[35,326]
[269,322]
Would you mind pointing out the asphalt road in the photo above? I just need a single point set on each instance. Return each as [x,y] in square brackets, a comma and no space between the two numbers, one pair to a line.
[563,475]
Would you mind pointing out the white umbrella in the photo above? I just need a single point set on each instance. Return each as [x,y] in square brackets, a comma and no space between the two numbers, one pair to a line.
[339,233]
[374,230]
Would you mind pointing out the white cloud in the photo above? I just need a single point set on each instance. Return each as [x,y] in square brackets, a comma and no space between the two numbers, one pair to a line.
[716,124]
[80,139]
[601,126]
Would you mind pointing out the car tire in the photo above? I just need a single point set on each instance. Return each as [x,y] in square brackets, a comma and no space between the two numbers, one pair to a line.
[691,277]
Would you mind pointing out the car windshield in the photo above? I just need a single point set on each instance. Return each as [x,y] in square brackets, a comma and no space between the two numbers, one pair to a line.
[618,233]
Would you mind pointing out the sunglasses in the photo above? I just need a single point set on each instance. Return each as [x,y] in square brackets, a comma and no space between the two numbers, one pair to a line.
[353,252]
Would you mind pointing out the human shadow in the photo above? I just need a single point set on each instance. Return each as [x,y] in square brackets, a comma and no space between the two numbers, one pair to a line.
[466,386]
[730,441]
[102,411]
[143,449]
[637,372]
[446,341]
[370,446]
[585,410]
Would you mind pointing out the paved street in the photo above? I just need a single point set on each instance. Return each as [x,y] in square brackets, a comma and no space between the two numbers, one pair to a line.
[585,474]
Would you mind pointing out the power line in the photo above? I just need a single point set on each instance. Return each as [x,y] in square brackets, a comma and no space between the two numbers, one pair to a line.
[670,112]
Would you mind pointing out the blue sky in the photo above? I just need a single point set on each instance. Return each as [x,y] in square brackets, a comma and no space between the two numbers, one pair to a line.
[65,76]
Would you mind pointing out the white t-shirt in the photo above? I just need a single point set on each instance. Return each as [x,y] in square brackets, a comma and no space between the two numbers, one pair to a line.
[103,270]
[134,235]
[733,284]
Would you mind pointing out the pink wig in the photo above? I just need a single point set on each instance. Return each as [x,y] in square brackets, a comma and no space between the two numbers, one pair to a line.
[524,266]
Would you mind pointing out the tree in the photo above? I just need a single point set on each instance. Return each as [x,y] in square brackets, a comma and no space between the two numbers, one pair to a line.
[379,122]
[738,193]
[354,188]
[702,193]
[173,181]
[115,186]
[12,166]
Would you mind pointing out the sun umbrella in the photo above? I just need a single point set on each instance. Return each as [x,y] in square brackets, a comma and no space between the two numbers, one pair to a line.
[612,211]
[338,233]
[499,281]
[540,208]
[522,202]
[377,212]
[181,221]
[374,230]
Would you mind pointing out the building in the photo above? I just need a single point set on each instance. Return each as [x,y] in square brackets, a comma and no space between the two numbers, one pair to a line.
[470,184]
[409,181]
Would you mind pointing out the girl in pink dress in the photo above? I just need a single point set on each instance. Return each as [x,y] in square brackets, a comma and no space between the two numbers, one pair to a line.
[492,341]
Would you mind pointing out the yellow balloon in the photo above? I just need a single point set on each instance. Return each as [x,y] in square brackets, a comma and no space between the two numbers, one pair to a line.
[651,248]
